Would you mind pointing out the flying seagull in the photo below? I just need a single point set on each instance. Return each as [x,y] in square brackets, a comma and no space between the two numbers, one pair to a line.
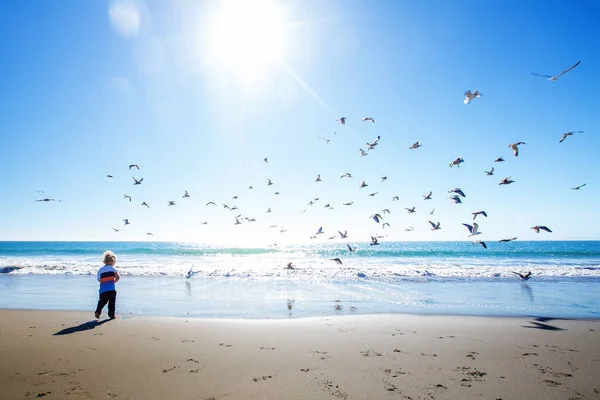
[368,119]
[343,235]
[490,172]
[126,221]
[318,178]
[342,120]
[363,153]
[457,162]
[471,95]
[475,214]
[373,194]
[323,139]
[499,159]
[186,194]
[374,241]
[376,217]
[269,183]
[117,230]
[385,210]
[507,240]
[428,196]
[473,229]
[46,200]
[212,202]
[320,231]
[506,181]
[137,182]
[432,211]
[337,261]
[383,178]
[479,242]
[537,228]
[134,166]
[435,226]
[554,78]
[515,148]
[149,234]
[415,146]
[126,196]
[410,210]
[395,198]
[170,203]
[348,204]
[346,175]
[456,199]
[523,277]
[565,135]
[266,160]
[578,187]
[145,204]
[109,176]
[457,191]
[350,248]
[362,184]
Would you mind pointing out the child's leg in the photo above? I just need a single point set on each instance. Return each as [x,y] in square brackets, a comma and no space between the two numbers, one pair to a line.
[101,303]
[112,300]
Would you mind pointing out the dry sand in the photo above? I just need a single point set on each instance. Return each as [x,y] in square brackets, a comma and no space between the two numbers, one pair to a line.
[66,355]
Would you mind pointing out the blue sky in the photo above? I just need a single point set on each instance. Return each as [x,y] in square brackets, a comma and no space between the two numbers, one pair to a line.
[198,93]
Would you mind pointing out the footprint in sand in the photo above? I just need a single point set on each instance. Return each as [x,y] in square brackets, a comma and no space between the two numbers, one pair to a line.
[552,383]
[262,378]
[393,374]
[370,353]
[267,348]
[192,360]
[188,341]
[429,355]
[304,370]
[164,371]
[224,345]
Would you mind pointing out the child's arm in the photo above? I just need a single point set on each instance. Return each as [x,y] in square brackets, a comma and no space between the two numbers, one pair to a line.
[117,277]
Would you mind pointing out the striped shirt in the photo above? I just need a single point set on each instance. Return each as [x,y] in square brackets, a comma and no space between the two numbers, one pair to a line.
[106,276]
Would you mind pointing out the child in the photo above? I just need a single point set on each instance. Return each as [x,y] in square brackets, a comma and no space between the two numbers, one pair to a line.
[108,276]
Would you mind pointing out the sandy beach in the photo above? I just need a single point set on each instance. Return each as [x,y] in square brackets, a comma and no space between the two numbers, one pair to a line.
[59,355]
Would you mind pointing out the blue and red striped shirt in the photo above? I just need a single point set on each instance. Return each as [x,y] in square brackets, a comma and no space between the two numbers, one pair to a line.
[107,276]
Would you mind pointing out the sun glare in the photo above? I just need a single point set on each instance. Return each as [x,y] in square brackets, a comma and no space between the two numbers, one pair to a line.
[246,38]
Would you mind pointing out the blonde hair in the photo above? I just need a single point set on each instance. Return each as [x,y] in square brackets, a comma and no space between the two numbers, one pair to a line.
[109,257]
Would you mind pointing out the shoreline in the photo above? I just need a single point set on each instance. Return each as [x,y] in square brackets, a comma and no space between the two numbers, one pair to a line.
[58,354]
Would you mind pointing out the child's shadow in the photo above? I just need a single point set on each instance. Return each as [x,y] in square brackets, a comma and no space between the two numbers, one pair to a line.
[86,326]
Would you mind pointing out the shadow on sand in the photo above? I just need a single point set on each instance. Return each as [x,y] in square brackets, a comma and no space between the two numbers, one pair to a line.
[540,323]
[86,326]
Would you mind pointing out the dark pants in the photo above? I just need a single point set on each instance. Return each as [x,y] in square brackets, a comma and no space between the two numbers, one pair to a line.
[109,297]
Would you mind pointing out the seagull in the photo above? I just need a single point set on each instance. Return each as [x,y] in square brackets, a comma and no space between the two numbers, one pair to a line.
[235,198]
[473,229]
[109,176]
[376,217]
[499,159]
[348,204]
[250,219]
[126,196]
[456,199]
[457,162]
[346,175]
[331,237]
[432,211]
[395,198]
[374,241]
[145,204]
[434,226]
[507,240]
[410,210]
[578,187]
[170,203]
[342,120]
[384,224]
[428,196]
[290,266]
[343,235]
[204,223]
[250,187]
[269,183]
[134,166]
[269,210]
[371,146]
[383,178]
[212,202]
[475,214]
[320,231]
[350,249]
[227,207]
[363,153]
[373,194]
[523,277]
[554,78]
[537,228]
[337,260]
[415,145]
[237,221]
[276,193]
[126,221]
[385,210]
[117,230]
[362,184]
[327,205]
[46,200]
[368,119]
[514,147]
[457,191]
[323,139]
[266,160]
[471,95]
[318,178]
[186,194]
[149,234]
[506,181]
[479,242]
[490,172]
[136,182]
[409,228]
[564,136]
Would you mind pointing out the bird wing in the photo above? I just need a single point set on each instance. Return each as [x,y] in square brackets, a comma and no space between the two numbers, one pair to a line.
[469,227]
[543,76]
[567,70]
[518,273]
[545,228]
[484,245]
[432,224]
[483,213]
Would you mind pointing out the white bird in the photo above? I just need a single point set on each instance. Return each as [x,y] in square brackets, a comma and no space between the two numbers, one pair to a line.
[565,135]
[186,194]
[507,240]
[343,235]
[348,204]
[456,199]
[515,148]
[434,226]
[318,178]
[126,221]
[554,78]
[471,95]
[457,162]
[473,229]
[350,248]
[323,139]
[126,196]
[395,198]
[506,181]
[270,182]
[145,204]
[342,120]
[346,175]
[428,196]
[410,210]
[457,191]
[415,146]
[490,172]
[371,146]
[537,228]
[320,231]
[432,211]
[480,242]
[363,153]
[362,184]
[137,182]
[134,166]
[368,119]
[475,214]
[170,203]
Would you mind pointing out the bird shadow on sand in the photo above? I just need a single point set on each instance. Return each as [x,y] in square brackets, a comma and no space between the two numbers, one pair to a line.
[86,326]
[540,323]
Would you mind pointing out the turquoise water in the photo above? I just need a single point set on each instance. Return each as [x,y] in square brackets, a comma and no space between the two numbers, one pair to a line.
[415,277]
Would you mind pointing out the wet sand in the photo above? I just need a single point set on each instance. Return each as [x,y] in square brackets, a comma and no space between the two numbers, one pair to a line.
[68,355]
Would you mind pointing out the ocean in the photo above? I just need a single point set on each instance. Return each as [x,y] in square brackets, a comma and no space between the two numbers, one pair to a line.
[191,280]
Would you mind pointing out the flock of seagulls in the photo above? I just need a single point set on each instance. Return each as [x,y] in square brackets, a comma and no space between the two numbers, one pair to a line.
[456,194]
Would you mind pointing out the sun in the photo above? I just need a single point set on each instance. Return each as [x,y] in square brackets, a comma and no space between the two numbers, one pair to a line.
[246,39]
